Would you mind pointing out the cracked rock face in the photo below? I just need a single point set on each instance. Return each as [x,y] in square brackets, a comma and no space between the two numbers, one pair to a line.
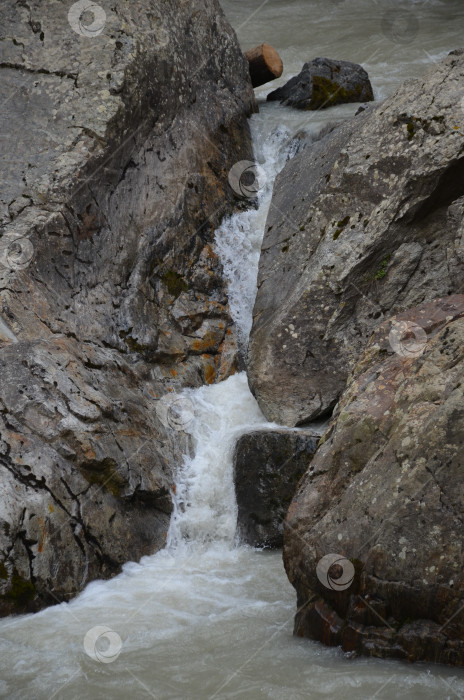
[385,491]
[363,224]
[114,161]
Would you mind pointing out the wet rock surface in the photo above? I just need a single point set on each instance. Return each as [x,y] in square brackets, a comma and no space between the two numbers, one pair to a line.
[324,83]
[268,465]
[364,224]
[385,492]
[115,152]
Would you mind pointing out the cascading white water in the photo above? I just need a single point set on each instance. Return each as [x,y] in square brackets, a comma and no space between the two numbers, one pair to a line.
[238,239]
[204,503]
[207,618]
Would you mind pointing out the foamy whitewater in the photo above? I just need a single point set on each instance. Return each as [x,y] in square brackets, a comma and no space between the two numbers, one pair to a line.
[208,617]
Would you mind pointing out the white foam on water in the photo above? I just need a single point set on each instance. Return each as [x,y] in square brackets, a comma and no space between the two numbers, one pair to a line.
[205,507]
[238,239]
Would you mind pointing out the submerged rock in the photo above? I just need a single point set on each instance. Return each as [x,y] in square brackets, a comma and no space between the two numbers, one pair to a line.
[121,132]
[325,83]
[385,494]
[363,224]
[268,465]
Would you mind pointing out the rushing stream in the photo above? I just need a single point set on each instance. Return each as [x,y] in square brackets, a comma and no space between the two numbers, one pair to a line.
[208,617]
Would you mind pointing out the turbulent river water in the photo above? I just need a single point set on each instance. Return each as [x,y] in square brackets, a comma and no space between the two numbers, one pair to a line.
[208,617]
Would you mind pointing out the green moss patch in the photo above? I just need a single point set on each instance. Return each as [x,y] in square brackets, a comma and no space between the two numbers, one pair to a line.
[340,226]
[382,271]
[174,283]
[103,473]
[3,571]
[21,591]
[132,343]
[327,93]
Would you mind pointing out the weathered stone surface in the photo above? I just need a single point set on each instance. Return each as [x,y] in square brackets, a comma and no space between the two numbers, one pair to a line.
[114,161]
[386,491]
[324,83]
[268,465]
[364,224]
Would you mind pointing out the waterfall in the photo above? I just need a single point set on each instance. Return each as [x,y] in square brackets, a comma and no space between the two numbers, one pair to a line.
[206,618]
[204,501]
[204,504]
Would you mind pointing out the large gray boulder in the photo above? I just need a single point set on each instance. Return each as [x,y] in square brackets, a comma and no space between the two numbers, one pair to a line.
[363,224]
[325,83]
[383,500]
[268,465]
[118,131]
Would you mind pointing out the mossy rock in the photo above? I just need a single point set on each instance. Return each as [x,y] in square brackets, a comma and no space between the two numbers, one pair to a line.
[20,592]
[174,283]
[104,474]
[325,83]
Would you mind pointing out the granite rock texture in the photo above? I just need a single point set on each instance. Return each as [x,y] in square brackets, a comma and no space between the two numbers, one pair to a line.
[385,492]
[364,224]
[116,143]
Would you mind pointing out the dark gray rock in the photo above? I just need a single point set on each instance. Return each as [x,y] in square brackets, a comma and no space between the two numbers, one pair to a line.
[324,83]
[385,493]
[363,224]
[268,465]
[115,153]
